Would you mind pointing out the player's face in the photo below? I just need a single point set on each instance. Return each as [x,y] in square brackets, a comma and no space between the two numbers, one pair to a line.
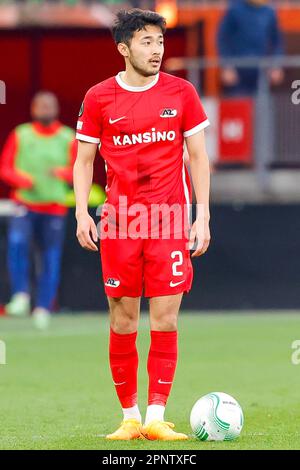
[146,51]
[44,109]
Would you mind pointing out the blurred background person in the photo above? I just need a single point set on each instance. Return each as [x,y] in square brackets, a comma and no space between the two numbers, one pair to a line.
[36,163]
[249,28]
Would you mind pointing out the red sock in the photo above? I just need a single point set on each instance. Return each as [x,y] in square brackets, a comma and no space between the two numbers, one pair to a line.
[123,358]
[162,362]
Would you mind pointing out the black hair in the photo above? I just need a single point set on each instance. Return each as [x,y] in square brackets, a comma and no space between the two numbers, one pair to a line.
[129,21]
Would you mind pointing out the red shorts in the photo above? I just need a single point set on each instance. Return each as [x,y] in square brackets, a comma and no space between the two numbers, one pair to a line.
[157,266]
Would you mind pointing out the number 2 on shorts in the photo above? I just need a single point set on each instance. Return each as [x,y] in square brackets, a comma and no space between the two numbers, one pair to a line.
[178,262]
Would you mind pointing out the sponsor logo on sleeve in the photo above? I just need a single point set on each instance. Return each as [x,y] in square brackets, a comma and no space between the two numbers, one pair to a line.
[81,110]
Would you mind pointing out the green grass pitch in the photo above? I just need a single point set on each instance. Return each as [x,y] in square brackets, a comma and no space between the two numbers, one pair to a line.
[56,391]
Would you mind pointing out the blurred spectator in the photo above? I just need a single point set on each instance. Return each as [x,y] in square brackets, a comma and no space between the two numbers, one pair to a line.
[249,28]
[36,163]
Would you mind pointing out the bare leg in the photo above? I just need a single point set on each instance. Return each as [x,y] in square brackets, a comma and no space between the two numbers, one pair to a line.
[164,312]
[124,314]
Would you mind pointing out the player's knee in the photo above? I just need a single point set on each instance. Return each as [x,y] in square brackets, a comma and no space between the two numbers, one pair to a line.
[123,315]
[124,326]
[165,322]
[124,323]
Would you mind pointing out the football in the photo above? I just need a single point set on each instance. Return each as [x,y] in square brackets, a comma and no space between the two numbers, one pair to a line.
[216,417]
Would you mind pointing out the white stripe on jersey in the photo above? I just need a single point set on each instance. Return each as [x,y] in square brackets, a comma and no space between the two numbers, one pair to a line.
[196,129]
[87,138]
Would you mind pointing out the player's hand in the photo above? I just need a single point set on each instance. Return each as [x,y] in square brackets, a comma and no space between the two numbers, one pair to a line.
[200,234]
[276,76]
[229,76]
[25,181]
[58,172]
[87,232]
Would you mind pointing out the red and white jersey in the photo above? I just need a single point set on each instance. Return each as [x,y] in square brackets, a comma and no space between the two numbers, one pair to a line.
[141,131]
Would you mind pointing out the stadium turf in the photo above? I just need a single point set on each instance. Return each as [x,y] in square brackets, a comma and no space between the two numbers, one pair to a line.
[56,390]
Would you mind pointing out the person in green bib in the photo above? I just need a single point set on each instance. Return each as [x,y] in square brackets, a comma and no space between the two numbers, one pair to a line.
[36,162]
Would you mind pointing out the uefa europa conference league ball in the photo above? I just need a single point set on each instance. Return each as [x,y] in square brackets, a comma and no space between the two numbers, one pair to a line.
[217,417]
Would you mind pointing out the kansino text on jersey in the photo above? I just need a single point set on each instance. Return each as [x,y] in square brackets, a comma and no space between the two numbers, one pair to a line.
[146,137]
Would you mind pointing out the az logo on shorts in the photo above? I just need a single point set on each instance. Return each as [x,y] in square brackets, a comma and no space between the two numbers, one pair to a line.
[168,112]
[112,282]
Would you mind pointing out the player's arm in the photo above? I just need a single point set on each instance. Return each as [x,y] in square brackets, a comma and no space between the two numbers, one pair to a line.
[8,171]
[199,168]
[88,135]
[82,179]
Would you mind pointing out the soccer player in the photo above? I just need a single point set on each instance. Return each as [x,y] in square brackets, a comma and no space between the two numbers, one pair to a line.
[141,118]
[36,163]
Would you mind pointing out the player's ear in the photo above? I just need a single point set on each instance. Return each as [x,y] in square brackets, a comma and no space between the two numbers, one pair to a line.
[123,49]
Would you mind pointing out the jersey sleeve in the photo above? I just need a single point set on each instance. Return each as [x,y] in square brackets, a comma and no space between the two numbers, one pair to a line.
[8,171]
[89,119]
[194,118]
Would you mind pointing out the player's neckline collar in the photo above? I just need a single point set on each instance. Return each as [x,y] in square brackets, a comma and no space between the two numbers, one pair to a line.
[135,88]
